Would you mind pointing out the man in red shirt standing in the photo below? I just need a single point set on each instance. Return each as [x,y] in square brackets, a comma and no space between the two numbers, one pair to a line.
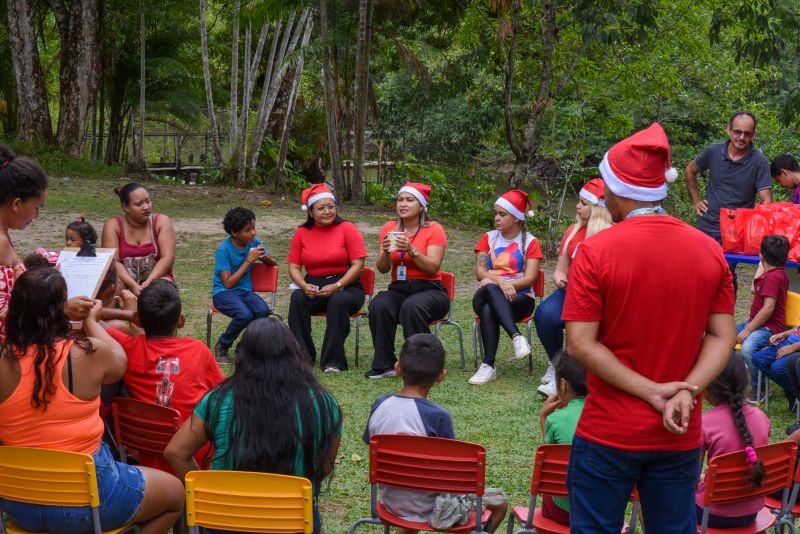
[649,312]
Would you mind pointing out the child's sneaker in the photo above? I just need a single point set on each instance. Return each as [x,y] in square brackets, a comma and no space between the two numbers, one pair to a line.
[521,347]
[380,373]
[549,375]
[548,390]
[221,353]
[485,374]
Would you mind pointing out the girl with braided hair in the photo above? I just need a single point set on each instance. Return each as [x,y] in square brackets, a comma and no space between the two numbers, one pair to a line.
[507,264]
[733,425]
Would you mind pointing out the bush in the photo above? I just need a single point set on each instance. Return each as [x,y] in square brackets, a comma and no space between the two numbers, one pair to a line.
[57,163]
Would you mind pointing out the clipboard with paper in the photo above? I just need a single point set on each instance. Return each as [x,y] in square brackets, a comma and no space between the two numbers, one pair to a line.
[84,274]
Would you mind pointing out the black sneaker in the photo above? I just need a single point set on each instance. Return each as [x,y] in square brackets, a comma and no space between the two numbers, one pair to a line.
[791,429]
[378,373]
[221,353]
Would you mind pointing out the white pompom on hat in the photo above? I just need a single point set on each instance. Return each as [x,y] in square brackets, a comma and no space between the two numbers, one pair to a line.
[314,193]
[639,166]
[516,202]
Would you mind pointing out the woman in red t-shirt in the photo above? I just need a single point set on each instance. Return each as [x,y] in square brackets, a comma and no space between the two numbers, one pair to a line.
[332,251]
[591,217]
[412,248]
[507,264]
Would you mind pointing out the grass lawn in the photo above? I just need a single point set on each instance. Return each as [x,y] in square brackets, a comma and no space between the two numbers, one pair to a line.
[503,416]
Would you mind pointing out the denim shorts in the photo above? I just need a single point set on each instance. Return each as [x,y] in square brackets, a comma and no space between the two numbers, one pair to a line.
[121,490]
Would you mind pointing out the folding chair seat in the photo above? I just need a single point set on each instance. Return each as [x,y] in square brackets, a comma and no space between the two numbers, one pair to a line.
[49,477]
[367,280]
[265,280]
[423,463]
[538,293]
[249,502]
[143,430]
[728,481]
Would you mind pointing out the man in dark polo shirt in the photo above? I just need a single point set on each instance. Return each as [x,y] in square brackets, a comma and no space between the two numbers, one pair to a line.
[737,171]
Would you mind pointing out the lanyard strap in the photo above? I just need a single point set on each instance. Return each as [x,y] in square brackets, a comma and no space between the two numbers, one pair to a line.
[403,252]
[645,211]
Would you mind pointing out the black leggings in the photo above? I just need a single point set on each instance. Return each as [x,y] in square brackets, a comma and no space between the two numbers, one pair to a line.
[495,310]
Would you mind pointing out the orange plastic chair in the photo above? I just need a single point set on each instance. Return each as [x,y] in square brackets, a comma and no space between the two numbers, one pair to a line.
[449,283]
[792,321]
[428,464]
[728,481]
[143,430]
[249,502]
[55,478]
[265,280]
[787,509]
[538,293]
[367,280]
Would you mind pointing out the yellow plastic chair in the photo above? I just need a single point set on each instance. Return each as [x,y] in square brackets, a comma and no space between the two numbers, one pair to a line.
[56,478]
[249,502]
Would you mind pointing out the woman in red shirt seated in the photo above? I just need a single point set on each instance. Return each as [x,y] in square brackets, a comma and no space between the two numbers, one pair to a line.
[412,248]
[507,264]
[332,251]
[50,398]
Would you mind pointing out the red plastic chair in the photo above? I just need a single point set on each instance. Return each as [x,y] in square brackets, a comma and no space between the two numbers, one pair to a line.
[143,430]
[550,478]
[367,280]
[787,509]
[449,283]
[728,481]
[428,464]
[538,293]
[265,280]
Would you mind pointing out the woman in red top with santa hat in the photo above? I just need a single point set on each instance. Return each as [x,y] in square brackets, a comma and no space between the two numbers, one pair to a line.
[412,248]
[507,265]
[332,251]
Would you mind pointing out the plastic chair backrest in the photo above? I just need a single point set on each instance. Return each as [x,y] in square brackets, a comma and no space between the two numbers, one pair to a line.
[449,283]
[538,285]
[249,502]
[44,476]
[264,277]
[550,470]
[144,427]
[367,279]
[728,475]
[427,464]
[792,309]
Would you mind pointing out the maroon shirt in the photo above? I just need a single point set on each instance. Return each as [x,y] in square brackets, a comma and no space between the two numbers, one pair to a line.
[774,284]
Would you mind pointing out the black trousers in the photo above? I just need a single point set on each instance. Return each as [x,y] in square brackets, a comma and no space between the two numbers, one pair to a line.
[338,307]
[413,304]
[495,310]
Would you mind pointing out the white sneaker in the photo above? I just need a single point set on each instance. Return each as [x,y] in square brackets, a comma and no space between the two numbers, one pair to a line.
[549,375]
[548,389]
[484,375]
[521,347]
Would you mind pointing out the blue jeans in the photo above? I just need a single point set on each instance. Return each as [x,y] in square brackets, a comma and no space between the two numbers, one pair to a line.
[600,481]
[753,343]
[242,307]
[775,368]
[549,326]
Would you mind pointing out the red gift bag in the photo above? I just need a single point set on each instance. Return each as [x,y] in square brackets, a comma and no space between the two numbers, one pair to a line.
[755,225]
[729,230]
[794,249]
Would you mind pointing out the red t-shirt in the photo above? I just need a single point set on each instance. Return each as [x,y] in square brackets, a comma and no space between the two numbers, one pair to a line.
[773,283]
[651,282]
[425,237]
[579,236]
[326,250]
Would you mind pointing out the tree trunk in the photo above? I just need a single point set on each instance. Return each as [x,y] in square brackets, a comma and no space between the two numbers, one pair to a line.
[141,157]
[34,115]
[212,114]
[241,167]
[287,120]
[234,80]
[361,101]
[331,115]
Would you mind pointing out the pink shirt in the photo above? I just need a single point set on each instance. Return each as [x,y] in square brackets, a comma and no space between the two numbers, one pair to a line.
[721,437]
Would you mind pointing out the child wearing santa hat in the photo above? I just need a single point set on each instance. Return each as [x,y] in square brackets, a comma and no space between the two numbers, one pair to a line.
[507,264]
[649,313]
[412,248]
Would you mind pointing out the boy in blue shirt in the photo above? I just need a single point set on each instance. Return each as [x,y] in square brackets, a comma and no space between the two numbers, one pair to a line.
[421,365]
[232,292]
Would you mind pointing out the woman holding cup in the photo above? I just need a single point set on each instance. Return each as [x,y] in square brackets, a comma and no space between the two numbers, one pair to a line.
[412,248]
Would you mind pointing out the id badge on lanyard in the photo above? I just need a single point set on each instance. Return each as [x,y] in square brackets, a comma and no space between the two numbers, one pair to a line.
[401,273]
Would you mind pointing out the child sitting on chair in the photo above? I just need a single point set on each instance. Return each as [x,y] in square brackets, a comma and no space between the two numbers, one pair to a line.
[559,417]
[233,289]
[421,365]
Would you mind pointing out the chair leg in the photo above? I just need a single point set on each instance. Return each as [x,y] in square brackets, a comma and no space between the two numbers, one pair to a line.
[461,345]
[358,336]
[475,345]
[530,344]
[208,327]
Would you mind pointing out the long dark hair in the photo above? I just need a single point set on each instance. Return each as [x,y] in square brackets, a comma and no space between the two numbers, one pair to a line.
[36,318]
[729,388]
[20,177]
[278,405]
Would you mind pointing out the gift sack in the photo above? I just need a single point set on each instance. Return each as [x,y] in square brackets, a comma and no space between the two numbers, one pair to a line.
[755,225]
[729,230]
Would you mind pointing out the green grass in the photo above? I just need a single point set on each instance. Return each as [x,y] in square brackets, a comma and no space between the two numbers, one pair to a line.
[503,416]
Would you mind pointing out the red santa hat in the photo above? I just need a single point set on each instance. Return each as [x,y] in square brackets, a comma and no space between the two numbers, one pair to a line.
[639,167]
[314,193]
[516,202]
[592,192]
[419,191]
